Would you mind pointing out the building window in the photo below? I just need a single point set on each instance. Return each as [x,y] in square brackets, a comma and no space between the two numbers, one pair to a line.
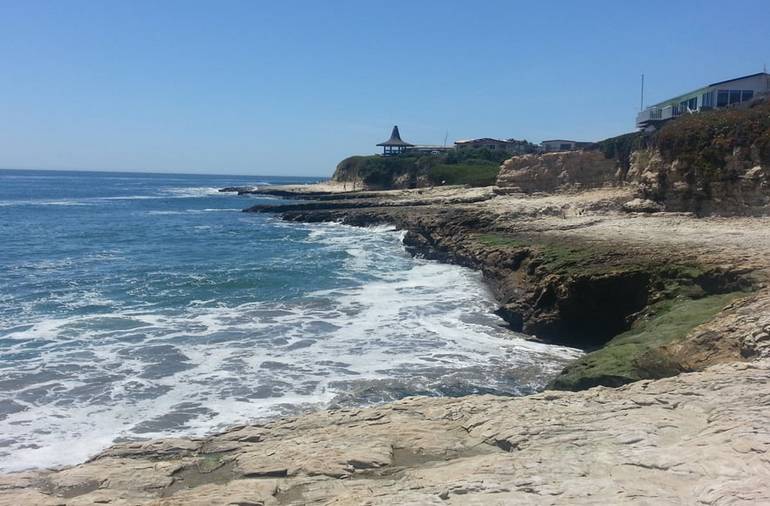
[722,98]
[707,100]
[747,95]
[565,147]
[735,96]
[692,104]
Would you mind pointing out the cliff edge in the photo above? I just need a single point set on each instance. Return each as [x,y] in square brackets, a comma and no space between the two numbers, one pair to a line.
[713,162]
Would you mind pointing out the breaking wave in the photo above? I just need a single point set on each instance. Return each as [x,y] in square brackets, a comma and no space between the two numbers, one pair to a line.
[181,319]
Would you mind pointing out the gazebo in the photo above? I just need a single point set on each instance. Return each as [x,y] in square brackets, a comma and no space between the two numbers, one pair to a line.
[394,145]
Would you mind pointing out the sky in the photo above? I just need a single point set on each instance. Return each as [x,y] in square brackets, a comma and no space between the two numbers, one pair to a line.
[290,88]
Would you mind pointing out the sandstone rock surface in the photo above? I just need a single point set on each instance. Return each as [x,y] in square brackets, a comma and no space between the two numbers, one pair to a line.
[549,172]
[638,205]
[699,438]
[742,186]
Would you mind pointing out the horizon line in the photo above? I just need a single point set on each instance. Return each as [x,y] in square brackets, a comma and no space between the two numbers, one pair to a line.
[114,171]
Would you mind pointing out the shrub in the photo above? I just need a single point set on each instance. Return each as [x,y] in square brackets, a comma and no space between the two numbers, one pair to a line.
[621,147]
[468,174]
[706,139]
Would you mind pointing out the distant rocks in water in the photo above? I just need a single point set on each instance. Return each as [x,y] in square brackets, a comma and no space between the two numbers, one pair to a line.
[237,189]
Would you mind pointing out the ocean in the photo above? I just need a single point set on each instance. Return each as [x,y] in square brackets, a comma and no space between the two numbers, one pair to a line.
[146,305]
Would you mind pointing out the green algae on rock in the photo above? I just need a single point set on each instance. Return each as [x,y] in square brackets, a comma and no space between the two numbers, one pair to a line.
[639,352]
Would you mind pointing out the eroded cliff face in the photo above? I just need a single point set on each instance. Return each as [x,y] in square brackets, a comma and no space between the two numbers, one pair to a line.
[549,172]
[741,187]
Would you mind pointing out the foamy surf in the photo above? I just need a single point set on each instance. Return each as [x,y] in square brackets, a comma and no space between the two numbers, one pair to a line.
[172,318]
[407,328]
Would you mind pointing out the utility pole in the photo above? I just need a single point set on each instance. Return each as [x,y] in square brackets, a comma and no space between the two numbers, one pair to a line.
[641,102]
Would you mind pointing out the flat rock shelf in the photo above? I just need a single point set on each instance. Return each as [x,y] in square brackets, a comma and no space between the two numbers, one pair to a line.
[698,438]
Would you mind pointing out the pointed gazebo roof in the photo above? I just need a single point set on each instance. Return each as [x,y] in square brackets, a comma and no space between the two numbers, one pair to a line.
[395,139]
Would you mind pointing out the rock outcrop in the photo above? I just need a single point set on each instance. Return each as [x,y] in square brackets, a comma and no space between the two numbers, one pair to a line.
[741,187]
[643,206]
[550,172]
[714,162]
[240,190]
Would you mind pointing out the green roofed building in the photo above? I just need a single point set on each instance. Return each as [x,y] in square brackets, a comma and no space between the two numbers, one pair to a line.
[713,96]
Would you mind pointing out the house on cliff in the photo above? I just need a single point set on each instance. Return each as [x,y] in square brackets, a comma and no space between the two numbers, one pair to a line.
[562,145]
[730,93]
[512,146]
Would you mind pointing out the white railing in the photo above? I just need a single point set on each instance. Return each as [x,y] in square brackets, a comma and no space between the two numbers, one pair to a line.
[651,114]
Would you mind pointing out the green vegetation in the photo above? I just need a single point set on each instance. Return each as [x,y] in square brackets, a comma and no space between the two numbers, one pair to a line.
[636,354]
[646,304]
[704,140]
[581,258]
[557,257]
[472,167]
[379,171]
[463,174]
[621,147]
[209,462]
[476,156]
[502,240]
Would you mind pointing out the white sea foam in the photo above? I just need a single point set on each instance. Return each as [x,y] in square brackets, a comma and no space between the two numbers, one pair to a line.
[166,193]
[131,197]
[90,201]
[187,192]
[119,372]
[42,202]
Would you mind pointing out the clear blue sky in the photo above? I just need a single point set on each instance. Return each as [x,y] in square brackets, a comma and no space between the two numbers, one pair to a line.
[291,87]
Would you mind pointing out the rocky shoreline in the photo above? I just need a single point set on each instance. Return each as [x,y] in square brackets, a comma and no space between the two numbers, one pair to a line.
[665,296]
[667,442]
[556,282]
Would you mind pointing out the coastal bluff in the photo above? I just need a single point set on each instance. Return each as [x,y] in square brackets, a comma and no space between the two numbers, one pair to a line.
[714,162]
[550,172]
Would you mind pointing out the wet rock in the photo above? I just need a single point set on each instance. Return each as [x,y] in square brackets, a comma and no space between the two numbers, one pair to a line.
[237,189]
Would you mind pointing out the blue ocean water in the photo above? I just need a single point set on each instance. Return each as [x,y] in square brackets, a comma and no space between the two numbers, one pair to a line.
[146,305]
